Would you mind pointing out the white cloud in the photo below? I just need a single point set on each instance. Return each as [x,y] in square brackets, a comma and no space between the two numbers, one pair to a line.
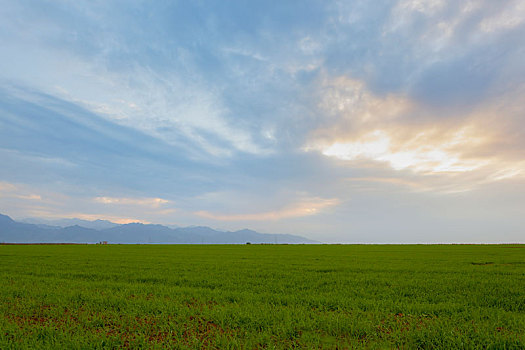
[510,16]
[421,158]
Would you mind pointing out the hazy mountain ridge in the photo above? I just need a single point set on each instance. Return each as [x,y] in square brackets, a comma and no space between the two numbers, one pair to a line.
[95,224]
[43,231]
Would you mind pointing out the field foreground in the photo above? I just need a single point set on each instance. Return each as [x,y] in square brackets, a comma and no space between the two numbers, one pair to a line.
[263,296]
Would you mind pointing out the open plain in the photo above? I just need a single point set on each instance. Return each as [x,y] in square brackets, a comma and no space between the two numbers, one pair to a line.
[262,296]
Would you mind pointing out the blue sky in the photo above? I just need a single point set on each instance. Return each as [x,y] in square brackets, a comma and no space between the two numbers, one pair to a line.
[383,121]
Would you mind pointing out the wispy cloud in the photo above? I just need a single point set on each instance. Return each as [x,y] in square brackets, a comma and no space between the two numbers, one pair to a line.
[508,17]
[308,207]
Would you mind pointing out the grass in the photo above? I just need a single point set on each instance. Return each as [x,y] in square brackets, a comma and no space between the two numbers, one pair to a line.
[262,296]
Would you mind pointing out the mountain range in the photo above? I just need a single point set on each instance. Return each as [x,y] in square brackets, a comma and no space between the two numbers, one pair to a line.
[83,231]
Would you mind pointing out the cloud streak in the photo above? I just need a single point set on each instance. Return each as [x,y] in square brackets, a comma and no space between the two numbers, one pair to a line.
[309,207]
[146,202]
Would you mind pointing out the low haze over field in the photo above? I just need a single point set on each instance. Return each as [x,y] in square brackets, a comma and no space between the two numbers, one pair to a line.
[359,121]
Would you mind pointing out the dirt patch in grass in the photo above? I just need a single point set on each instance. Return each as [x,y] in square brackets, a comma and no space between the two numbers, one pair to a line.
[483,263]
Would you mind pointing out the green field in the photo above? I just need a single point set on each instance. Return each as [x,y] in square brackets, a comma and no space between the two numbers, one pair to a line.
[262,296]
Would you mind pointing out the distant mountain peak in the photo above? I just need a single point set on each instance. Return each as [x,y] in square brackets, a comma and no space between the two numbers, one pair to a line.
[5,218]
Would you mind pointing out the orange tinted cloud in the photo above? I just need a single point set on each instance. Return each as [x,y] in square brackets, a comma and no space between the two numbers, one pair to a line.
[398,133]
[308,207]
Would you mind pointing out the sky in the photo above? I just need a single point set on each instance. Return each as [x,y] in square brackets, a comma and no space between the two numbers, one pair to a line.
[341,121]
